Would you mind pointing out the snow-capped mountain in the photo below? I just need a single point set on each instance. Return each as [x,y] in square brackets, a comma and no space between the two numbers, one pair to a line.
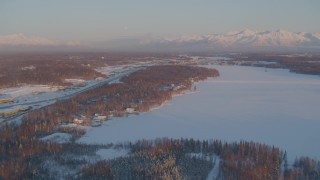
[246,39]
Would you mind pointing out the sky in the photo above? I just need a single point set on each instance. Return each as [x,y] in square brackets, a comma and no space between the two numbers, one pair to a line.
[97,20]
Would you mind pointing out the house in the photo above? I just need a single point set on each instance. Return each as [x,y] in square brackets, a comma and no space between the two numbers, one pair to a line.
[130,110]
[99,117]
[79,119]
[177,88]
[99,78]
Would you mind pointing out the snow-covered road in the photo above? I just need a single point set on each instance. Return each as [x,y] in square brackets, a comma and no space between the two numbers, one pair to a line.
[46,98]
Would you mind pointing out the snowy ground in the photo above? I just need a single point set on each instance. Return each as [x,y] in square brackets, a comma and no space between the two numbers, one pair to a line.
[76,81]
[213,174]
[107,70]
[38,96]
[109,154]
[245,103]
[58,138]
[28,90]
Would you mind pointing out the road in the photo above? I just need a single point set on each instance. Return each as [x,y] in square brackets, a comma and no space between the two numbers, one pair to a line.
[36,104]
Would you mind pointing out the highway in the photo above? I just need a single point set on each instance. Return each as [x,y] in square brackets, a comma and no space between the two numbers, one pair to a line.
[37,104]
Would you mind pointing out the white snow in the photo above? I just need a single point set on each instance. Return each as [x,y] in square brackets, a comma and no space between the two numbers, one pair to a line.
[31,67]
[75,81]
[38,96]
[104,70]
[28,90]
[58,138]
[218,58]
[4,96]
[200,156]
[214,173]
[13,108]
[249,38]
[109,154]
[245,103]
[107,70]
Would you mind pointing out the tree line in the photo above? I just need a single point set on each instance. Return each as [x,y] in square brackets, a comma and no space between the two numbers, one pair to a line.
[170,159]
[20,144]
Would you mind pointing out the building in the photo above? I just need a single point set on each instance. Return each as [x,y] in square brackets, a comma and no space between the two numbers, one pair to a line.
[99,117]
[79,119]
[130,110]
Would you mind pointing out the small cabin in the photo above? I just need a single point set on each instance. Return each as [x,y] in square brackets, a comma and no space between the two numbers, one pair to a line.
[99,117]
[130,110]
[78,120]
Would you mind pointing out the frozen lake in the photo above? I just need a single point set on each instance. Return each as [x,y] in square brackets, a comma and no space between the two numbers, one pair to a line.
[245,103]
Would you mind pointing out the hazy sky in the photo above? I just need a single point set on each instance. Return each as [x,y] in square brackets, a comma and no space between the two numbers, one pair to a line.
[92,20]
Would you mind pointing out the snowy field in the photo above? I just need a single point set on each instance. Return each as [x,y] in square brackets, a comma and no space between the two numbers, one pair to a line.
[28,90]
[245,103]
[109,154]
[60,138]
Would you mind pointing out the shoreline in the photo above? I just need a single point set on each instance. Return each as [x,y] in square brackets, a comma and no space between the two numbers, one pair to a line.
[212,113]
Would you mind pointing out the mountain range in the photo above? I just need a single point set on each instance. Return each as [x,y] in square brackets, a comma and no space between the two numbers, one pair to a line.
[242,40]
[246,40]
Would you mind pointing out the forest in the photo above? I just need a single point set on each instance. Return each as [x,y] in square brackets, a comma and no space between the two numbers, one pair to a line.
[44,72]
[298,64]
[24,156]
[170,159]
[54,68]
[141,90]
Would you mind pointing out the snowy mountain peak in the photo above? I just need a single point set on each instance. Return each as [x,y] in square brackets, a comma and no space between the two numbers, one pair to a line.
[247,32]
[250,38]
[243,32]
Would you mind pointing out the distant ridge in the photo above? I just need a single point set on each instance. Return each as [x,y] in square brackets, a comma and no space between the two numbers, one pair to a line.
[248,37]
[243,40]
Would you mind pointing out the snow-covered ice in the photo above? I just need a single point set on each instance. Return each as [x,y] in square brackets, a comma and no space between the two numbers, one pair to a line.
[245,103]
